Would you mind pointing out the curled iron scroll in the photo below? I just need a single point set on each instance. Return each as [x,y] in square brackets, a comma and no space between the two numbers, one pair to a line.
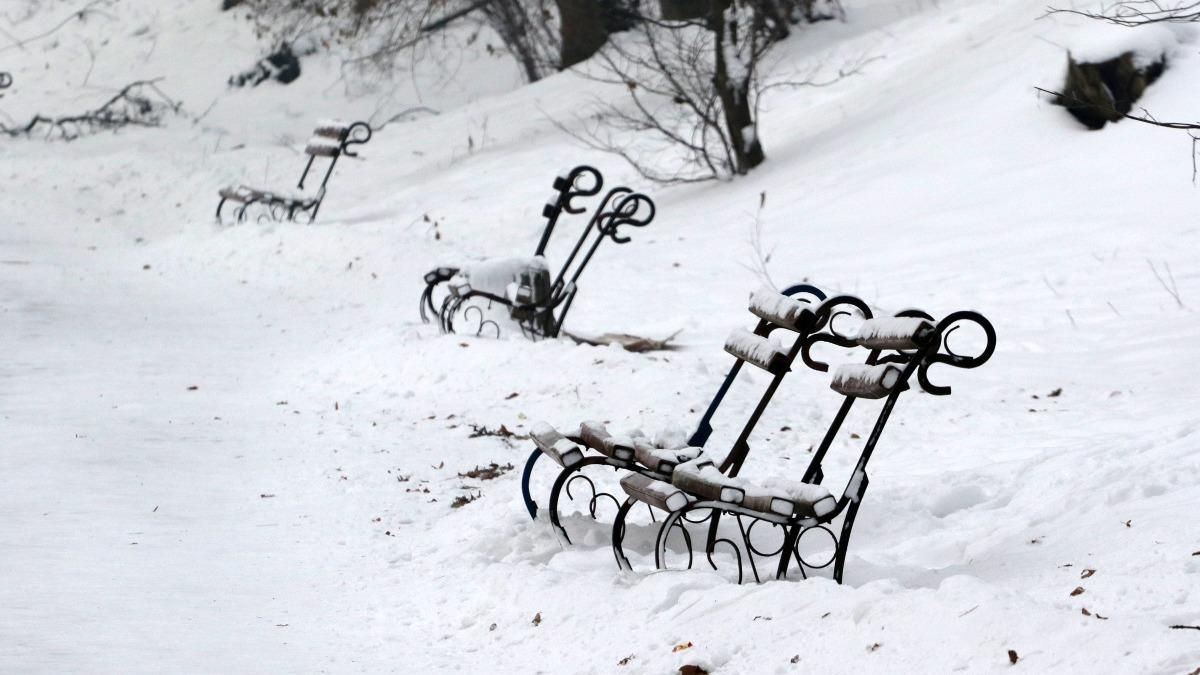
[630,208]
[581,182]
[357,134]
[945,328]
[808,289]
[827,332]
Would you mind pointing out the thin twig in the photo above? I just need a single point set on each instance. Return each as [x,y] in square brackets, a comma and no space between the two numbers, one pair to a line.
[80,14]
[1172,288]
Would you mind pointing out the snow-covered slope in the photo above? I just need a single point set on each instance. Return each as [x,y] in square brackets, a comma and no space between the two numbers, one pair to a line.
[234,449]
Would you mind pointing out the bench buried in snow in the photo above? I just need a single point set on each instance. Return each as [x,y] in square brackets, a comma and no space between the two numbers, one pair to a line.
[535,299]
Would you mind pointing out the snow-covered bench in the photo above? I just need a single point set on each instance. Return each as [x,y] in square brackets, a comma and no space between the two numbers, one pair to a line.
[330,140]
[537,301]
[792,313]
[899,349]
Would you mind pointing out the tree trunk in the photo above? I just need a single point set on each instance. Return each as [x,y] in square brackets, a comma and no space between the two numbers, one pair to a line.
[586,24]
[678,10]
[732,81]
[582,28]
[508,19]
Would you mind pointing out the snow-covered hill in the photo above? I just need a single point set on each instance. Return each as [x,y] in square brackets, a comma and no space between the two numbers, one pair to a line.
[206,427]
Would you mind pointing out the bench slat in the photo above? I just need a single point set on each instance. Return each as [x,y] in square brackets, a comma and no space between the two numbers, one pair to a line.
[778,308]
[789,498]
[555,445]
[863,381]
[656,493]
[332,129]
[897,332]
[322,147]
[701,478]
[663,460]
[755,349]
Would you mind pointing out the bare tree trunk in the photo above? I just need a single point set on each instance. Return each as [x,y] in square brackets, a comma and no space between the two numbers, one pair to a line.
[585,25]
[732,81]
[678,10]
[584,30]
[508,18]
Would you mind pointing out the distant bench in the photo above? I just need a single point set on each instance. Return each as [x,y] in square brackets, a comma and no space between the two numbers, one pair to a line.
[536,301]
[331,139]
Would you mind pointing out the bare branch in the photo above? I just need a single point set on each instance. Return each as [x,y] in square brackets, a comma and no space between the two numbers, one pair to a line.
[1138,13]
[1172,288]
[139,103]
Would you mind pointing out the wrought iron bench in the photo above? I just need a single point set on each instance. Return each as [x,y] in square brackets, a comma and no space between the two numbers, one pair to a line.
[900,348]
[330,141]
[590,444]
[536,301]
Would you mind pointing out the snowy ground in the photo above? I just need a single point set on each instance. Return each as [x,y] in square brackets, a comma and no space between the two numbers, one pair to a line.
[207,427]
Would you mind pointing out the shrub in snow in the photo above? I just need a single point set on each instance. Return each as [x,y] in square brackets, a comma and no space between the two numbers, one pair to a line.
[282,65]
[1102,92]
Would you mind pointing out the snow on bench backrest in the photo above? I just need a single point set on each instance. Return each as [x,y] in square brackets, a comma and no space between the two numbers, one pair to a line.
[323,147]
[779,309]
[754,349]
[863,381]
[332,128]
[897,332]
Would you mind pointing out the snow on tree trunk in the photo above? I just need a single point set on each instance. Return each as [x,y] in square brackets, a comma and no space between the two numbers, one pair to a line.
[732,79]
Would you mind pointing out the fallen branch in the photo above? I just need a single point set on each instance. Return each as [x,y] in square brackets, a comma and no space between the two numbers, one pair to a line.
[140,104]
[630,343]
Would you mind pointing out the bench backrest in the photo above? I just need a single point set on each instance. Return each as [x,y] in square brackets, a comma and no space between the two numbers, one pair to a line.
[779,313]
[900,348]
[620,207]
[800,293]
[332,139]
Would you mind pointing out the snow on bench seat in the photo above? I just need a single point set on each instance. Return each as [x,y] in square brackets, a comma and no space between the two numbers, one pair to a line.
[245,193]
[863,381]
[790,499]
[660,453]
[241,193]
[755,349]
[656,493]
[787,498]
[555,445]
[779,309]
[663,460]
[700,477]
[897,332]
[496,276]
[596,437]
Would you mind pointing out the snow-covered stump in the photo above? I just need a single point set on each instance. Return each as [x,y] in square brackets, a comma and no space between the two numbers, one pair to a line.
[1096,93]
